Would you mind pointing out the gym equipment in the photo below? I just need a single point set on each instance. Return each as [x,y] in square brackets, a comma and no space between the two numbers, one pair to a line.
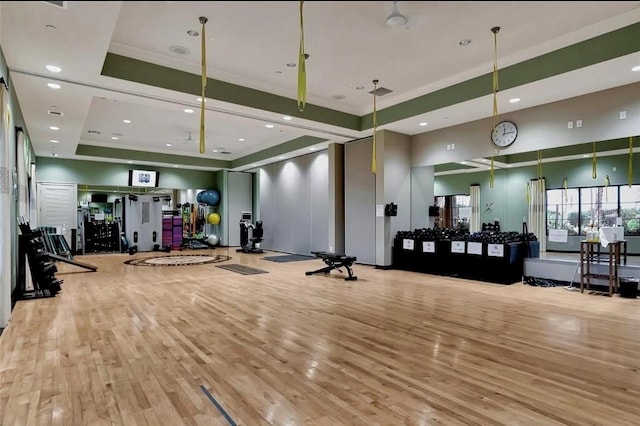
[166,249]
[250,245]
[73,262]
[213,239]
[335,261]
[213,218]
[143,217]
[210,197]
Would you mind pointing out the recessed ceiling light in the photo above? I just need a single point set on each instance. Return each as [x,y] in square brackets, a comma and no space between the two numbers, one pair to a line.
[312,149]
[54,85]
[169,144]
[463,162]
[53,68]
[130,162]
[193,33]
[514,100]
[254,165]
[464,42]
[199,99]
[269,126]
[636,68]
[509,165]
[424,123]
[54,155]
[126,121]
[215,150]
[281,157]
[179,50]
[188,110]
[585,155]
[484,160]
[54,141]
[115,138]
[54,128]
[286,117]
[176,166]
[241,140]
[291,65]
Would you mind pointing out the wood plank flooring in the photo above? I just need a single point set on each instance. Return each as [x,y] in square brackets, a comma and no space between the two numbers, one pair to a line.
[132,345]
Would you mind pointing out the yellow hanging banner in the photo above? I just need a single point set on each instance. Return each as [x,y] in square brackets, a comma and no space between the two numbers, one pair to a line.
[594,163]
[374,166]
[302,67]
[203,92]
[528,192]
[630,165]
[495,31]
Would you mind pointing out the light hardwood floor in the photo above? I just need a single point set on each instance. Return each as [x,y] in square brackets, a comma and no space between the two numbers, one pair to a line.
[132,345]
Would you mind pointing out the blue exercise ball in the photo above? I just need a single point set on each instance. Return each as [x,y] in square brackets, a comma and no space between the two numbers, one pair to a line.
[199,196]
[211,197]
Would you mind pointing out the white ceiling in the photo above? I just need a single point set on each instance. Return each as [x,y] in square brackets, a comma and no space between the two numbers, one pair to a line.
[249,43]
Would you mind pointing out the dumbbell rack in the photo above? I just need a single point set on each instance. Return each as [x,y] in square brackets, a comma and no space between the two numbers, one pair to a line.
[31,249]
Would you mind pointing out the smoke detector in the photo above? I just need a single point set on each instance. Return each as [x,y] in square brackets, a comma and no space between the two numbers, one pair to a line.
[396,19]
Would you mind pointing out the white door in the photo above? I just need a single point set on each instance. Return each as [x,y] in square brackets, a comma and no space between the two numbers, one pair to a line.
[58,206]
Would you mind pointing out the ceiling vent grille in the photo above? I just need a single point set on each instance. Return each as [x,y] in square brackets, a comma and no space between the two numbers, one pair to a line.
[58,113]
[381,91]
[225,152]
[61,4]
[94,132]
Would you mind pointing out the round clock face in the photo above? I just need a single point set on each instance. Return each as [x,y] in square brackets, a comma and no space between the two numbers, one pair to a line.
[504,134]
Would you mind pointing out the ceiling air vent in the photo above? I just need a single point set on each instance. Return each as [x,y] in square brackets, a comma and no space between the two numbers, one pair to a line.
[381,91]
[62,4]
[94,132]
[58,113]
[225,152]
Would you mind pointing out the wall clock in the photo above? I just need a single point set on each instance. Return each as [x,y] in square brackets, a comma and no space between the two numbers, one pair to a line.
[504,134]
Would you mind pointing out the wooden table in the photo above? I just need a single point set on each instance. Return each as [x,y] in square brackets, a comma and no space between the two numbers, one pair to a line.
[590,254]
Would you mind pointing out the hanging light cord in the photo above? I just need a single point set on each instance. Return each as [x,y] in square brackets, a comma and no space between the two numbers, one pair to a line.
[302,68]
[375,127]
[203,21]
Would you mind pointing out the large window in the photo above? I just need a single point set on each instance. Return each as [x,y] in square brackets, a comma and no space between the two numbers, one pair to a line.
[577,209]
[455,211]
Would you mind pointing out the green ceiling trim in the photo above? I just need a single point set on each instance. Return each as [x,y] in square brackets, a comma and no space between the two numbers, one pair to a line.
[130,69]
[125,154]
[283,148]
[447,167]
[605,47]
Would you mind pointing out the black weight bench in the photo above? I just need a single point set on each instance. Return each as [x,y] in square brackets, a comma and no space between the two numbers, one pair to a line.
[335,261]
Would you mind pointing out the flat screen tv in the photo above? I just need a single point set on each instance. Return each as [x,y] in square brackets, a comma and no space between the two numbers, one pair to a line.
[144,178]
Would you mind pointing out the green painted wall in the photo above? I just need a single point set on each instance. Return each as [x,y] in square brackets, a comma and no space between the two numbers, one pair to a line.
[117,175]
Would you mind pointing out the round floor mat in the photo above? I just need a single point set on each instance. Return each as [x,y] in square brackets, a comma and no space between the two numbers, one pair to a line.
[178,260]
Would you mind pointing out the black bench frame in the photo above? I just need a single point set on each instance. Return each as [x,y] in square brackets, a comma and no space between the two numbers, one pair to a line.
[335,261]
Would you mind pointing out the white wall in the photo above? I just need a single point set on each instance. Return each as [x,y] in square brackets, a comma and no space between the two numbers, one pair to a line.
[293,204]
[359,202]
[539,127]
[240,190]
[422,193]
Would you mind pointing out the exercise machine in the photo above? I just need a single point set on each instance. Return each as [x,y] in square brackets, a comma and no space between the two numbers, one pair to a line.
[250,245]
[142,221]
[335,261]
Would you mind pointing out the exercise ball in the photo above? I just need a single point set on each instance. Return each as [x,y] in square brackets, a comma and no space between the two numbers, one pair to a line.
[213,239]
[211,197]
[213,218]
[199,196]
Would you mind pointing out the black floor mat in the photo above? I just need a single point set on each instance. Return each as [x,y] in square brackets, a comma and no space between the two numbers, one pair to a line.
[288,258]
[241,269]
